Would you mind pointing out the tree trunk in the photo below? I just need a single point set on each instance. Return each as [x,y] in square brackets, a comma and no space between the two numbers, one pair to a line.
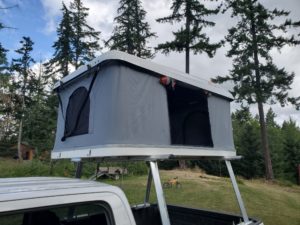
[187,44]
[265,143]
[259,98]
[20,157]
[182,163]
[76,61]
[187,60]
[138,32]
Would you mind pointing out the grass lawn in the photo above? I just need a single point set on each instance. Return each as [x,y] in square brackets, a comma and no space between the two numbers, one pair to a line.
[272,203]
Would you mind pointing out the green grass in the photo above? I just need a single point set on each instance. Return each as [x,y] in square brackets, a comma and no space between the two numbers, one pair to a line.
[274,204]
[12,168]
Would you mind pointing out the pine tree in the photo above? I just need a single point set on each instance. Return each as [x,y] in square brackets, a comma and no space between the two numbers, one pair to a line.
[247,143]
[191,36]
[5,100]
[270,118]
[22,67]
[38,131]
[85,39]
[6,103]
[63,56]
[256,78]
[275,138]
[3,69]
[291,150]
[3,59]
[131,32]
[3,63]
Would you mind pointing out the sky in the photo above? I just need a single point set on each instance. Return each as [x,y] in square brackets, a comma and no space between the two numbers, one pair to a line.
[38,19]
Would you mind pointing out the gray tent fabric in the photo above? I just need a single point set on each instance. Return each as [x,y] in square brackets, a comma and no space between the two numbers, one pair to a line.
[220,122]
[127,107]
[129,112]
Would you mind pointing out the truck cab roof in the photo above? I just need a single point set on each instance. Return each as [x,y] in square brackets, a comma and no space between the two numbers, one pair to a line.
[12,189]
[43,200]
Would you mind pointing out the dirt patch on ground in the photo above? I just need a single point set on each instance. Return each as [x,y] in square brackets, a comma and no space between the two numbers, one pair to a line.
[196,175]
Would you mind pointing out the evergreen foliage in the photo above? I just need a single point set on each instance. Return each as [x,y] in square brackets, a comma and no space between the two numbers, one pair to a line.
[3,68]
[63,55]
[77,42]
[256,78]
[284,145]
[22,84]
[5,110]
[40,116]
[3,60]
[191,36]
[131,32]
[24,76]
[33,107]
[247,143]
[276,140]
[291,150]
[85,38]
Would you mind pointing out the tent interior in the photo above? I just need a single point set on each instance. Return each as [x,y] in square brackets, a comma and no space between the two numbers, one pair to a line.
[189,116]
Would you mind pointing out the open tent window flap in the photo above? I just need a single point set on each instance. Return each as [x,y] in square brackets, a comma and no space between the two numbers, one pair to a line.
[134,107]
[189,117]
[77,114]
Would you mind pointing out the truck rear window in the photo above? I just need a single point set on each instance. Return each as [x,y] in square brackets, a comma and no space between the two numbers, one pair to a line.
[84,214]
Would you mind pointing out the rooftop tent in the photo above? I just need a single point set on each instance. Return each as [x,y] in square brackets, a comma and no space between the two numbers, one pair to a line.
[120,105]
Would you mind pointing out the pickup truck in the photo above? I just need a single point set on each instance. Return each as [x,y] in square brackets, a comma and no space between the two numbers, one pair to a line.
[67,201]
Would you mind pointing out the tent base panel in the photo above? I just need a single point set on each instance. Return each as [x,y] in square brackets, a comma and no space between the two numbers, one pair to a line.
[142,152]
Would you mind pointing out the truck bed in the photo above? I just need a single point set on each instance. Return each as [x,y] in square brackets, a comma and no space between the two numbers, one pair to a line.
[149,215]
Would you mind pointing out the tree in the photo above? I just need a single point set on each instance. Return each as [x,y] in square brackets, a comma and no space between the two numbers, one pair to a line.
[22,68]
[6,103]
[5,99]
[63,55]
[3,60]
[3,68]
[131,33]
[38,131]
[247,143]
[255,77]
[291,150]
[275,138]
[85,38]
[191,36]
[270,119]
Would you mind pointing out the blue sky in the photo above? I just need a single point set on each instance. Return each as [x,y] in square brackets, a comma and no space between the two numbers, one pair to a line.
[39,18]
[28,20]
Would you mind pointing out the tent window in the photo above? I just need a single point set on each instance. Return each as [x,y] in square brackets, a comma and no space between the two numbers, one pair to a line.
[78,111]
[189,117]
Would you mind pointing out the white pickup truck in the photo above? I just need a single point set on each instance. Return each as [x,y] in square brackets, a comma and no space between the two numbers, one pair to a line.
[66,201]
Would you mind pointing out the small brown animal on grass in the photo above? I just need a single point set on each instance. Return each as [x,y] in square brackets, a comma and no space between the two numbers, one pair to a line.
[172,182]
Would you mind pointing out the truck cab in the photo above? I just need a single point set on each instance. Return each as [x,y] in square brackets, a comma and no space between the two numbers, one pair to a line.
[57,201]
[66,201]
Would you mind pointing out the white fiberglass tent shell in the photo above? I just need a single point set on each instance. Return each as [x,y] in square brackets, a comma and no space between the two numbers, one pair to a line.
[120,105]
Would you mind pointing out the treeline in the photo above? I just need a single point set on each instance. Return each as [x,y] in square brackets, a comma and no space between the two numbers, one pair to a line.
[284,147]
[28,107]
